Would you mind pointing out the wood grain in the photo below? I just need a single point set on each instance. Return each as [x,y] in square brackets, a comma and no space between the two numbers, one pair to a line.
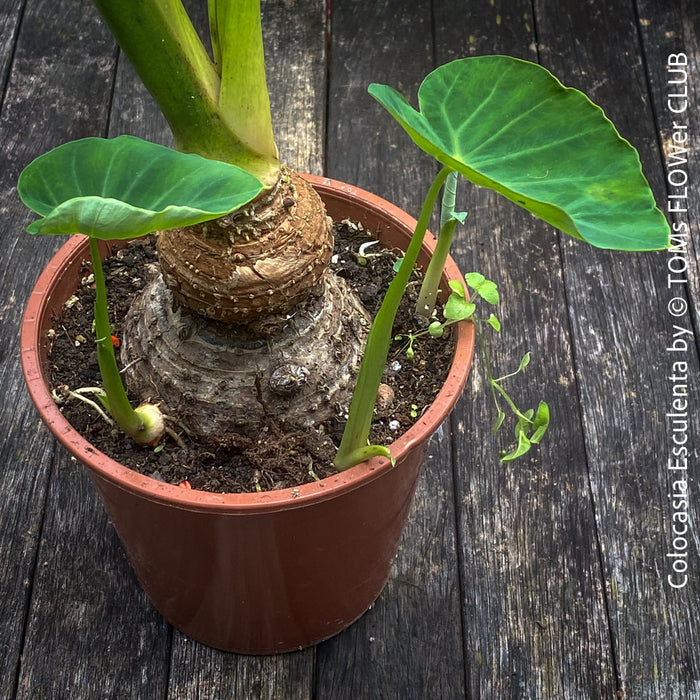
[544,578]
[622,374]
[43,104]
[534,614]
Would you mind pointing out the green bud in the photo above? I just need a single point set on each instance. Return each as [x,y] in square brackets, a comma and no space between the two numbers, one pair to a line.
[436,329]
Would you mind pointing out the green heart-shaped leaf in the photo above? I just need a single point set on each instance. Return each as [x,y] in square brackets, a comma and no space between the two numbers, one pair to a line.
[458,308]
[494,323]
[540,423]
[484,288]
[126,187]
[510,125]
[523,446]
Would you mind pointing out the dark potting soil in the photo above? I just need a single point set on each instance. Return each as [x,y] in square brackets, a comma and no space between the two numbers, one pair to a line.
[276,458]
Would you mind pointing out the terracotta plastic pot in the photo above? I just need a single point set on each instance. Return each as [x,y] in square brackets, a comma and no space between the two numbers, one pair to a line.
[255,573]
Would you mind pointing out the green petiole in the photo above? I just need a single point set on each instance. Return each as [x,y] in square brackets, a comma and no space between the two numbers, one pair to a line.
[145,423]
[353,446]
[449,219]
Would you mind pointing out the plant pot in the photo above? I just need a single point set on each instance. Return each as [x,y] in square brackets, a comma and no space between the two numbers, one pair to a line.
[267,572]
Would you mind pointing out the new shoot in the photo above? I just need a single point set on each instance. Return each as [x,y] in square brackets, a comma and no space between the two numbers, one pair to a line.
[114,189]
[145,423]
[354,447]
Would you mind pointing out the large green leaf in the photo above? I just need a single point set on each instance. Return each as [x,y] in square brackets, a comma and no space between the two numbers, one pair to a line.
[126,187]
[510,125]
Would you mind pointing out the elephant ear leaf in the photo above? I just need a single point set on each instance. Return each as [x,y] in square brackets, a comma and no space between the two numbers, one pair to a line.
[126,187]
[511,126]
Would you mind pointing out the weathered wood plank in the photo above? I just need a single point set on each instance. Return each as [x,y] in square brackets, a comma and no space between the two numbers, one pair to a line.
[91,632]
[10,16]
[26,454]
[670,33]
[671,47]
[201,673]
[31,121]
[76,633]
[623,374]
[294,34]
[534,615]
[409,645]
[383,43]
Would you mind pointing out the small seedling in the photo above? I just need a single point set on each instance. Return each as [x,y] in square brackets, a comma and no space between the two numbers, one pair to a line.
[530,426]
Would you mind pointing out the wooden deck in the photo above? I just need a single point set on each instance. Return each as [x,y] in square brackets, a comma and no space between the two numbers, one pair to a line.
[544,579]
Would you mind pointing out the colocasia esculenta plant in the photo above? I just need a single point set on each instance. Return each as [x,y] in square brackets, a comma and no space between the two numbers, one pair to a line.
[244,239]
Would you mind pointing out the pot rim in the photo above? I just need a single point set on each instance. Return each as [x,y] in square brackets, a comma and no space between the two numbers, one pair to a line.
[238,503]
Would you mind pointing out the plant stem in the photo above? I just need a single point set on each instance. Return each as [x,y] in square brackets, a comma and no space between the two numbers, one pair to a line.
[158,38]
[133,422]
[489,373]
[494,385]
[243,100]
[357,429]
[431,280]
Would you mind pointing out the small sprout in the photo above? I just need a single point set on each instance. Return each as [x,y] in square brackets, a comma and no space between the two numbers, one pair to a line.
[414,411]
[528,430]
[311,471]
[152,427]
[436,329]
[530,426]
[159,448]
[60,186]
[458,307]
[410,353]
[362,257]
[362,251]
